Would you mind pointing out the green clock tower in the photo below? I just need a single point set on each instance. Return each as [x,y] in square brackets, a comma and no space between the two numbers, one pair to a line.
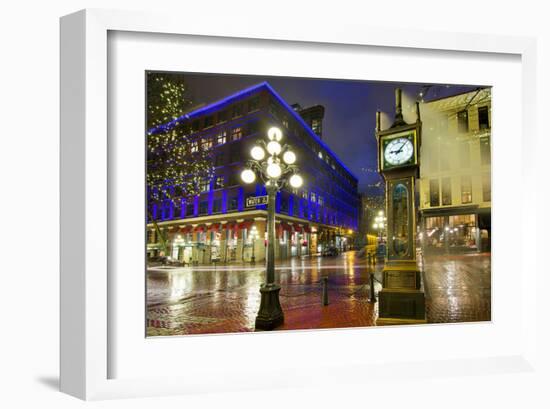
[402,298]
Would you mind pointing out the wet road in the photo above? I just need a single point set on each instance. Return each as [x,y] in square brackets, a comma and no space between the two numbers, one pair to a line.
[201,300]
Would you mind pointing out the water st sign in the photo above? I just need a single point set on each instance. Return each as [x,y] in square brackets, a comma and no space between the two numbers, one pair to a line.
[256,201]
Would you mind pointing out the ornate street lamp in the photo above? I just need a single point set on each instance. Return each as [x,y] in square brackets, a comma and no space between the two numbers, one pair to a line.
[274,164]
[380,224]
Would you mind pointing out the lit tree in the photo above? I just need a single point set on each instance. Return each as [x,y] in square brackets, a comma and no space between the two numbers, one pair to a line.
[177,161]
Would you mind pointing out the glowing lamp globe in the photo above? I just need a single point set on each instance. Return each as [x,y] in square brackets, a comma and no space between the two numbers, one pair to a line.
[274,147]
[274,134]
[274,170]
[296,181]
[257,153]
[289,157]
[248,176]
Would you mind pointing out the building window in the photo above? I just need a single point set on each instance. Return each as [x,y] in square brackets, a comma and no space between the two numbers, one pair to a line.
[465,154]
[254,104]
[434,192]
[217,206]
[466,189]
[485,149]
[233,179]
[208,121]
[237,110]
[218,182]
[203,207]
[462,118]
[194,146]
[273,109]
[195,126]
[446,192]
[236,133]
[313,197]
[305,194]
[253,127]
[486,183]
[221,138]
[222,116]
[233,203]
[235,155]
[218,160]
[284,204]
[204,185]
[206,143]
[483,117]
[190,209]
[317,126]
[176,214]
[321,201]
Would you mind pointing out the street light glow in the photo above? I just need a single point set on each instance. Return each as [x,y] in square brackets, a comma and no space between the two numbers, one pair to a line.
[248,176]
[257,153]
[296,181]
[274,170]
[274,134]
[274,147]
[289,157]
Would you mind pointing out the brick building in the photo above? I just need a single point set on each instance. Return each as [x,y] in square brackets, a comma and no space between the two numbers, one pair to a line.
[216,225]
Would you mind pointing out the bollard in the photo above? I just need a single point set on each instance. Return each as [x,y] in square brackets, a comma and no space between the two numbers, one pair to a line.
[372,297]
[325,291]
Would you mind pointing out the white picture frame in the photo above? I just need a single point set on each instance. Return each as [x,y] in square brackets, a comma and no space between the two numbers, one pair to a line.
[85,223]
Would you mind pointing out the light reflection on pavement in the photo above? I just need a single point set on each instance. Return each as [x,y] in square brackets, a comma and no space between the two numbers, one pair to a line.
[222,299]
[198,300]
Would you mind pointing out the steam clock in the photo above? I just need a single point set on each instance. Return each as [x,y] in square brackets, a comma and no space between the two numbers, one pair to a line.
[402,297]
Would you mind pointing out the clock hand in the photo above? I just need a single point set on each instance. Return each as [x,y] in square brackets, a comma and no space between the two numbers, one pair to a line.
[400,148]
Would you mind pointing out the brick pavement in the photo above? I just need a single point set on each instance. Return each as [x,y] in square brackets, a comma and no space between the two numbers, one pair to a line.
[226,299]
[458,287]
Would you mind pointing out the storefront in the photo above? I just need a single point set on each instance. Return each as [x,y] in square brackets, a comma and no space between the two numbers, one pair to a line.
[228,242]
[453,232]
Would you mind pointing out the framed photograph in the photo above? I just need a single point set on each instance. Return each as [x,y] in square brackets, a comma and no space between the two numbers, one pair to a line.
[244,209]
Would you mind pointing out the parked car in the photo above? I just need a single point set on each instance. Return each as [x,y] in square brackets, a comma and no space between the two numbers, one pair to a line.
[330,251]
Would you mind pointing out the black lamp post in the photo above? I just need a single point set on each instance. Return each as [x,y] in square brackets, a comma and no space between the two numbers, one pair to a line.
[274,164]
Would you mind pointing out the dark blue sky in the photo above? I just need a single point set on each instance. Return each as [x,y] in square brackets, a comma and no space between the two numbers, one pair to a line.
[350,107]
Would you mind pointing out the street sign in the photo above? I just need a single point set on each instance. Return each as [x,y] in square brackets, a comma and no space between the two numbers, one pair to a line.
[256,201]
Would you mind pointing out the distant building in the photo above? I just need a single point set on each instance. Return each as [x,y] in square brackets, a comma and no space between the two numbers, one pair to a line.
[371,205]
[216,225]
[313,116]
[455,172]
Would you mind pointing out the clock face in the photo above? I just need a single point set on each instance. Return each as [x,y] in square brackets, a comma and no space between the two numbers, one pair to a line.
[398,151]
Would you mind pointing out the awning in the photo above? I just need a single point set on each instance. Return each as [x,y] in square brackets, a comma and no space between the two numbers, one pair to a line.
[199,229]
[186,229]
[307,229]
[246,224]
[214,227]
[298,229]
[286,227]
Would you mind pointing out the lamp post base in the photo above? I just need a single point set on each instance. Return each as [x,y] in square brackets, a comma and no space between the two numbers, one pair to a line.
[270,315]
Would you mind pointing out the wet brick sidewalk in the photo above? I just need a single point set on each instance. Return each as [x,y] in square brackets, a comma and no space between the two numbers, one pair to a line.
[458,287]
[226,299]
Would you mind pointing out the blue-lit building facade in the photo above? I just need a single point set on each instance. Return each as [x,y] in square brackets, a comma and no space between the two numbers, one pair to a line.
[215,226]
